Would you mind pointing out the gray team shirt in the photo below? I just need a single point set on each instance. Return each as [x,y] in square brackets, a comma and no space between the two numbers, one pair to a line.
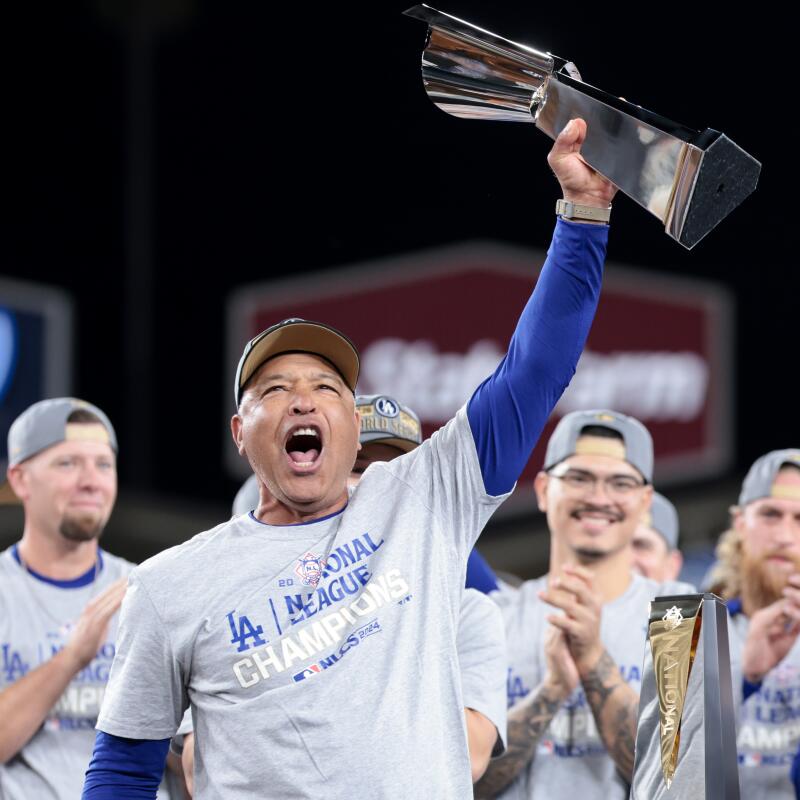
[35,621]
[769,726]
[571,749]
[318,659]
[483,661]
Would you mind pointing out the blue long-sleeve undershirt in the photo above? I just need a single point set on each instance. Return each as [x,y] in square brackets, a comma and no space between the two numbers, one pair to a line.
[506,415]
[509,409]
[125,768]
[480,575]
[748,688]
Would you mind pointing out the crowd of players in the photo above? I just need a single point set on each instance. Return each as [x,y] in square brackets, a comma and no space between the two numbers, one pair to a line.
[339,633]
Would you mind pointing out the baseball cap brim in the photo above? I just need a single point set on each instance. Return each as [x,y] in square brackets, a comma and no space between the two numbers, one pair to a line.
[299,336]
[406,445]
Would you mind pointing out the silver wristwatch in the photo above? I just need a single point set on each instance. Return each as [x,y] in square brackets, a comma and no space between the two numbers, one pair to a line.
[569,210]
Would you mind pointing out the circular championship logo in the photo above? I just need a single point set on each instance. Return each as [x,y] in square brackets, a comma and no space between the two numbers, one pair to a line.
[386,407]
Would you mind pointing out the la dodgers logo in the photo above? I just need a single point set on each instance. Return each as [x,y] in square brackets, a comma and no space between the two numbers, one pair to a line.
[309,569]
[386,407]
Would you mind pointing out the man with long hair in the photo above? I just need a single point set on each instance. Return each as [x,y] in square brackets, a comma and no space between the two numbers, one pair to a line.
[758,572]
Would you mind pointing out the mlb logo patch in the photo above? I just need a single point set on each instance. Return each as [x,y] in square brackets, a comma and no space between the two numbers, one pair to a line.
[309,569]
[751,759]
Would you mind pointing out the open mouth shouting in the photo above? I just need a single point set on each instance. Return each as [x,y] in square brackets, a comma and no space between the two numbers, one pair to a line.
[303,447]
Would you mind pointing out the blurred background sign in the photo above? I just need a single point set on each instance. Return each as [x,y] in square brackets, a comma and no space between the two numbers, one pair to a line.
[432,325]
[35,348]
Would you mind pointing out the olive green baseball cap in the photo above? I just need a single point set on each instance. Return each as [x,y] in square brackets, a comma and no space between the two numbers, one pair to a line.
[296,335]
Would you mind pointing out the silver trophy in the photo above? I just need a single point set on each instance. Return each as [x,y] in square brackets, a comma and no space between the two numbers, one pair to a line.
[691,180]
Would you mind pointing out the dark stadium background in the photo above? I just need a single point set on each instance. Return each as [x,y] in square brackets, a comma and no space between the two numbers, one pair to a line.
[156,155]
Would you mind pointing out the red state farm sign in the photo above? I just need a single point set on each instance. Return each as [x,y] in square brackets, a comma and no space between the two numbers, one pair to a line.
[432,325]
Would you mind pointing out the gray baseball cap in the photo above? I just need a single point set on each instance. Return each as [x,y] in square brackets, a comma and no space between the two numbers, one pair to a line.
[759,481]
[43,425]
[296,335]
[637,444]
[663,519]
[384,420]
[247,497]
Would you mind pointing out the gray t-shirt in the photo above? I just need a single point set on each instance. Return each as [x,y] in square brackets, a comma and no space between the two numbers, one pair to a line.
[769,727]
[482,659]
[319,659]
[571,752]
[36,617]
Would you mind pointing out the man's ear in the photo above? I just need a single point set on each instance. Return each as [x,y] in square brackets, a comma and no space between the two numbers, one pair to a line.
[648,498]
[675,564]
[237,431]
[17,479]
[540,483]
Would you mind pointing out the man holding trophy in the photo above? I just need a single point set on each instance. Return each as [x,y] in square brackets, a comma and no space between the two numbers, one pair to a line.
[355,694]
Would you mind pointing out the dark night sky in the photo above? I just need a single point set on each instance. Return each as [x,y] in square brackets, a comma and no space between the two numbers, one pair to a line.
[290,140]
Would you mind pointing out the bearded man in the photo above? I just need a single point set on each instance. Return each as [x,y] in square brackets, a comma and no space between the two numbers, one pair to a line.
[59,594]
[758,572]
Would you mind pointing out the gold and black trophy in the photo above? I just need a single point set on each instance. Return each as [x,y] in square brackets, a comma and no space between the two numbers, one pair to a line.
[691,180]
[686,738]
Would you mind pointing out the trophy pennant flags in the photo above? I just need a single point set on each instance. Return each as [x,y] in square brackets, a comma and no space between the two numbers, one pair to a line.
[674,634]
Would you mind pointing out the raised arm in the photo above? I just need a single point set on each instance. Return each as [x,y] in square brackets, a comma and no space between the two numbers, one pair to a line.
[771,634]
[508,410]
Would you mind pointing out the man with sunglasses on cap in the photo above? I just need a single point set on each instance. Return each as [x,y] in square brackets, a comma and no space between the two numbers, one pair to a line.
[758,573]
[655,542]
[59,594]
[576,636]
[283,702]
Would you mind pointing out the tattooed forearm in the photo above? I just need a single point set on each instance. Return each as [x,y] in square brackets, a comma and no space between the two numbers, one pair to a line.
[625,738]
[527,721]
[615,707]
[600,682]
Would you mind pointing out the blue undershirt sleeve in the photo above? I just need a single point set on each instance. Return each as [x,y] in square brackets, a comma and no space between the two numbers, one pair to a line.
[509,409]
[479,574]
[749,689]
[129,768]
